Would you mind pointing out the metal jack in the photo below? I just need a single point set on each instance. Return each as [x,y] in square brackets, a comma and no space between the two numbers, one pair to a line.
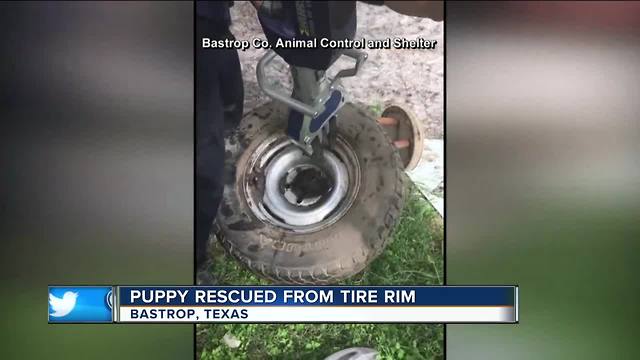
[314,102]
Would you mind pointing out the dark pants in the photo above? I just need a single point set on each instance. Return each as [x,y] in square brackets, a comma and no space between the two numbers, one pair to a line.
[219,97]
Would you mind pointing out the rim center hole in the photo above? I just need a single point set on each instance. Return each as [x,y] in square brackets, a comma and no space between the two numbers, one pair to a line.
[305,185]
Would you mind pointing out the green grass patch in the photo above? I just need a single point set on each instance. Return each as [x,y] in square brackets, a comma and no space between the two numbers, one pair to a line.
[413,258]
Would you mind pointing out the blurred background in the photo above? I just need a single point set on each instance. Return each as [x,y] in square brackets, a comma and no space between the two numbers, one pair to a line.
[542,174]
[97,168]
[542,143]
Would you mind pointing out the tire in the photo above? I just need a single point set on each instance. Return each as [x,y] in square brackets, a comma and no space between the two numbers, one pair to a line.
[336,251]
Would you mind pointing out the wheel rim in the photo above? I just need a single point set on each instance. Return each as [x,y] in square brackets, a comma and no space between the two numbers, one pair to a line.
[295,192]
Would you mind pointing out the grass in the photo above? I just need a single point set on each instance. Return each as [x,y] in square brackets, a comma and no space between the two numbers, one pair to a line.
[413,258]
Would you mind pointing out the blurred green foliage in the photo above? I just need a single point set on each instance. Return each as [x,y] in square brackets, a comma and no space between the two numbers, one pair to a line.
[27,335]
[578,292]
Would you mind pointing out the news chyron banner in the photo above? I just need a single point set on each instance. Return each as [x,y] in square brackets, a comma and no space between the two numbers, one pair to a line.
[283,304]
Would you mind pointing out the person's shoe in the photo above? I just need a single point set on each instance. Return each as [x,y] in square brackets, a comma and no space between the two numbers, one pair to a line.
[204,275]
[356,353]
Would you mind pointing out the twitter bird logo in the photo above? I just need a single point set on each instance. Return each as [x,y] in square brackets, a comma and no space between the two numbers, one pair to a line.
[80,304]
[62,307]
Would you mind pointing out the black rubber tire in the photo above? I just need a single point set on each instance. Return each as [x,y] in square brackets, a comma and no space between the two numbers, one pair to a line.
[330,254]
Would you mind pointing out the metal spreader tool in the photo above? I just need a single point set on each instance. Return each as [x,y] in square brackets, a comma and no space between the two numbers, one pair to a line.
[316,98]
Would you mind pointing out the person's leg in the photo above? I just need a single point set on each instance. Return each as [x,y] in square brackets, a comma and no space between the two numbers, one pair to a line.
[209,144]
[233,89]
[219,106]
[209,164]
